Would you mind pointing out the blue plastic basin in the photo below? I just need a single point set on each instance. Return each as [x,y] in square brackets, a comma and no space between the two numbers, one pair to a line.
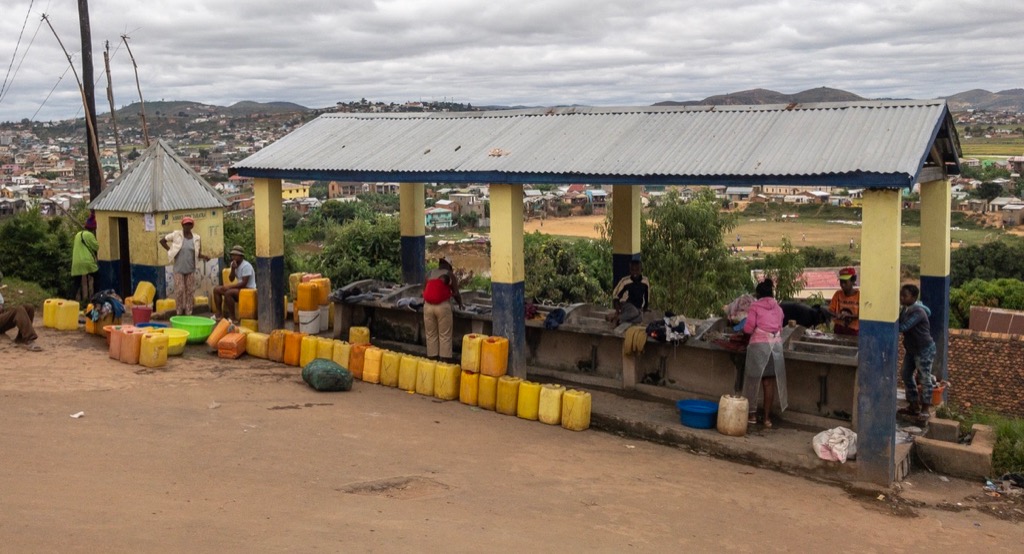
[699,414]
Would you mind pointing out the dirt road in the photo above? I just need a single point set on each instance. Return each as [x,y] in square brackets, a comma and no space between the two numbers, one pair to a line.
[240,456]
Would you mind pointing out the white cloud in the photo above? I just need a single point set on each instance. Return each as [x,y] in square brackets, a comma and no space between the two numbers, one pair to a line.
[524,52]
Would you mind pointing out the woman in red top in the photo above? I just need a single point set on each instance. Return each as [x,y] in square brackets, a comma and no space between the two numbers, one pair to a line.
[438,291]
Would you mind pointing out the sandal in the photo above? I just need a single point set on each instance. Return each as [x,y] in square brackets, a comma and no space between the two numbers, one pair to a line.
[752,419]
[32,347]
[767,424]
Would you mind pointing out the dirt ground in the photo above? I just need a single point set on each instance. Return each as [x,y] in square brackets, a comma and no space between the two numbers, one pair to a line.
[240,456]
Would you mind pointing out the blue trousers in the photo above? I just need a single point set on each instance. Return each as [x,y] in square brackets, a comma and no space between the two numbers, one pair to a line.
[917,372]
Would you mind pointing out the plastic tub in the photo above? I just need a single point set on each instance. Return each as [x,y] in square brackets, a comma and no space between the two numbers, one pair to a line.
[199,328]
[699,414]
[152,325]
[176,339]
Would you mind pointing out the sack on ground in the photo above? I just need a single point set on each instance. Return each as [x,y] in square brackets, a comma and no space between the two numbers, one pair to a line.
[327,376]
[835,445]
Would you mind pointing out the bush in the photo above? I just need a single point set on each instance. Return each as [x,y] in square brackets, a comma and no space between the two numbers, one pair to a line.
[993,260]
[37,249]
[361,249]
[567,271]
[1000,293]
[824,257]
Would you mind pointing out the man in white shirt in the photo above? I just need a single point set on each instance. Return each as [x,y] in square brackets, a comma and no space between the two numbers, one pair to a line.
[242,276]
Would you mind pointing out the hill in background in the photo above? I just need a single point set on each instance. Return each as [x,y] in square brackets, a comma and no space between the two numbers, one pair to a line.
[978,99]
[176,108]
[760,96]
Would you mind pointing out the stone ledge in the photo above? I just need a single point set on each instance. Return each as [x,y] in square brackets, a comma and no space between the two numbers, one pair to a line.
[960,460]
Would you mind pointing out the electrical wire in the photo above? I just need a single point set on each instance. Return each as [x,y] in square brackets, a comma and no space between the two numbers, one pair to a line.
[14,55]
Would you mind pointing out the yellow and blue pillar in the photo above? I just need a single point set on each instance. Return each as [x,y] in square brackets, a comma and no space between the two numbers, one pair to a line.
[626,214]
[936,203]
[508,310]
[414,242]
[877,366]
[270,278]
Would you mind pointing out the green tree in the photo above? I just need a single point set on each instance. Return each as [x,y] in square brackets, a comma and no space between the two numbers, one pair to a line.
[38,249]
[786,270]
[992,260]
[566,270]
[1000,293]
[988,191]
[824,257]
[361,249]
[319,190]
[380,203]
[686,257]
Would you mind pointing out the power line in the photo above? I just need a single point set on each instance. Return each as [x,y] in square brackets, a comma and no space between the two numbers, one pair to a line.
[14,55]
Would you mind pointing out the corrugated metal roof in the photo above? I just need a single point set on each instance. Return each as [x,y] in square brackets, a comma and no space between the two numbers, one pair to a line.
[159,181]
[706,143]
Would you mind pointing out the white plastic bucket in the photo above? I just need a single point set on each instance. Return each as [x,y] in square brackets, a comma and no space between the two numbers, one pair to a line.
[325,321]
[309,322]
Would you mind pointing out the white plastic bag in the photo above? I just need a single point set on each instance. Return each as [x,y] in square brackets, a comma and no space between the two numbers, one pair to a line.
[835,445]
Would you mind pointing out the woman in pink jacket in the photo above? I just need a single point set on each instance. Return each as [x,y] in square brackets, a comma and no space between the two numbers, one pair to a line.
[765,365]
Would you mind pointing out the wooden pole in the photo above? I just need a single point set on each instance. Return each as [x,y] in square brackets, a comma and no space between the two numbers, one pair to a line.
[145,129]
[89,94]
[90,123]
[110,98]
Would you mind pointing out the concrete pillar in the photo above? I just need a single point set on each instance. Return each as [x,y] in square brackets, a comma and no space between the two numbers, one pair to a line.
[270,279]
[936,203]
[626,214]
[507,274]
[414,243]
[879,311]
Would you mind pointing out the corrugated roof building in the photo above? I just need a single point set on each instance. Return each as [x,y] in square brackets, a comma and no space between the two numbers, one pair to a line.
[849,144]
[145,203]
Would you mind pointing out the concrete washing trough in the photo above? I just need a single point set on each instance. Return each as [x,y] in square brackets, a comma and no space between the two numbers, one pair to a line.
[941,452]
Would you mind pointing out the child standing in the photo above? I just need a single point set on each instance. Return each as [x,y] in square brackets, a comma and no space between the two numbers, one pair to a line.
[920,348]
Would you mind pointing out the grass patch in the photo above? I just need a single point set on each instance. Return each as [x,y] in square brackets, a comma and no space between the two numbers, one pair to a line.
[24,292]
[1008,453]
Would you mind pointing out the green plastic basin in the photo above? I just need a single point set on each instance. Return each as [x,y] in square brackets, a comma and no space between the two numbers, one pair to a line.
[199,328]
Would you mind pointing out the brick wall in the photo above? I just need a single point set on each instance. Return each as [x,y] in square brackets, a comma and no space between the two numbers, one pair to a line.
[987,369]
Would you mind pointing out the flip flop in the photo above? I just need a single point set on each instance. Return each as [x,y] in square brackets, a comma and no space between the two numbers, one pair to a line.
[32,347]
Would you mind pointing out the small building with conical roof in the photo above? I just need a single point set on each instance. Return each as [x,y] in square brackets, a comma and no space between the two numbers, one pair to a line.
[147,201]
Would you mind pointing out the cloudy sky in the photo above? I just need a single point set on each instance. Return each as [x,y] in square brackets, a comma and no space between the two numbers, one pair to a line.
[506,52]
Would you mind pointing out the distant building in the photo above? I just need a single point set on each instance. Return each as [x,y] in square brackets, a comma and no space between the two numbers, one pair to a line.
[290,191]
[439,218]
[1012,215]
[344,189]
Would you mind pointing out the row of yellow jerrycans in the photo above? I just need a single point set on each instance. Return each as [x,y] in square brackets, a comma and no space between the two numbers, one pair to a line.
[547,403]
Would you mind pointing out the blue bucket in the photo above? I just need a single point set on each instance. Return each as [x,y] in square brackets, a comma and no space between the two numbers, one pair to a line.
[699,414]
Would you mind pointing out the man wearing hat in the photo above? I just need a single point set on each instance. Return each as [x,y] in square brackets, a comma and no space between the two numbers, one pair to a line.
[846,304]
[184,251]
[242,276]
[83,260]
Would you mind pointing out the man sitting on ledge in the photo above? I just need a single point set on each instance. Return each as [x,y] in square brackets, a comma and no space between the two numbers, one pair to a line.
[631,296]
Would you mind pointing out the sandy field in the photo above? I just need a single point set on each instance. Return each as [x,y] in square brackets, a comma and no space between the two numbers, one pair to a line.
[209,455]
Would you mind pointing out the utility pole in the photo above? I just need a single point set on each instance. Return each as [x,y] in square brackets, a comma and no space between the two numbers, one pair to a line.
[89,92]
[110,98]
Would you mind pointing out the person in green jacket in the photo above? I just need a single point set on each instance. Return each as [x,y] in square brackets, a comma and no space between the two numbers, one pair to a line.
[83,260]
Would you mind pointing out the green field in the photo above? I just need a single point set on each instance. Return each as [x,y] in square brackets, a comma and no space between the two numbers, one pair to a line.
[824,228]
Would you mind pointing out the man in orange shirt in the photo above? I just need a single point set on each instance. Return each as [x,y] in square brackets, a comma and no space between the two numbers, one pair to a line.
[846,304]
